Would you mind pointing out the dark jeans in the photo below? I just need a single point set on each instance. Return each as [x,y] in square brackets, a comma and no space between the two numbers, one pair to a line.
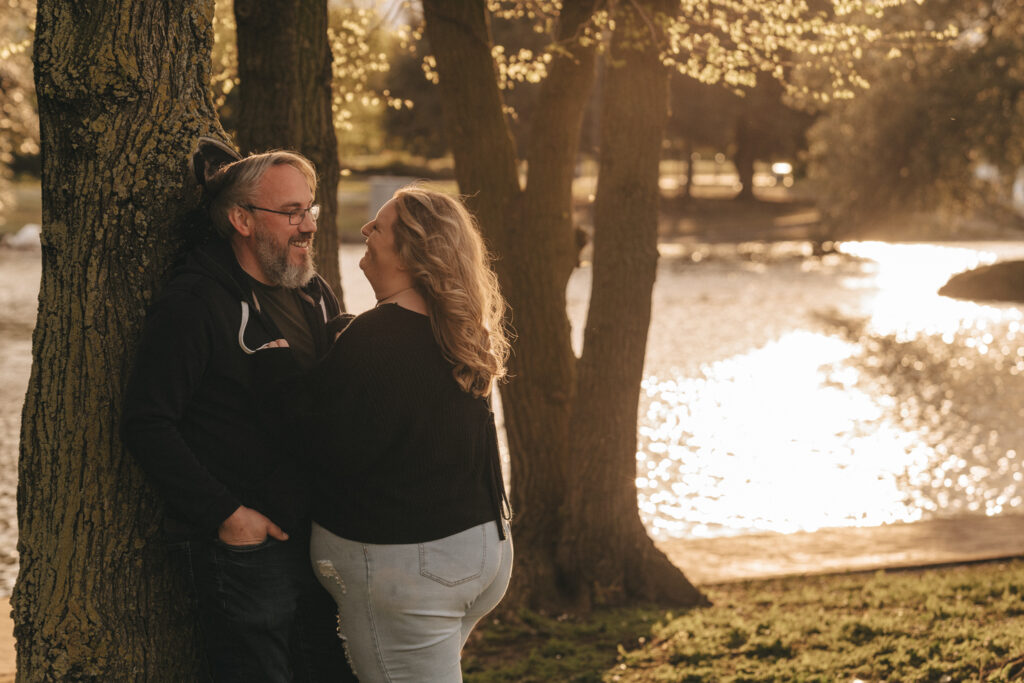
[263,614]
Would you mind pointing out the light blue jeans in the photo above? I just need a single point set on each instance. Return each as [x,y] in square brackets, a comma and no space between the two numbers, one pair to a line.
[406,610]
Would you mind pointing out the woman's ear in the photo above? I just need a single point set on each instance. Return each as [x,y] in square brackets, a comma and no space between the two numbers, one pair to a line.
[210,156]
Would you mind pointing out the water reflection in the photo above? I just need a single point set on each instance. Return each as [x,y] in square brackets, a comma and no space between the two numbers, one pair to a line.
[861,396]
[906,279]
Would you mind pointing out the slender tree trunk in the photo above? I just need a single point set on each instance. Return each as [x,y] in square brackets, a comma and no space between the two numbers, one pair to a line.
[123,95]
[688,151]
[538,259]
[744,157]
[284,100]
[606,545]
[531,232]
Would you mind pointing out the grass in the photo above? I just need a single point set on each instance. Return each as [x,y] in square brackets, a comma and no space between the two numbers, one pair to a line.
[533,648]
[952,624]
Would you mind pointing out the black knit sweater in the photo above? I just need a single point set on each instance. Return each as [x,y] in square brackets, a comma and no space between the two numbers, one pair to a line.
[398,452]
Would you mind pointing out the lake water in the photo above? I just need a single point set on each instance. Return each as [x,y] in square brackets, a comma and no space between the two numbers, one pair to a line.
[783,392]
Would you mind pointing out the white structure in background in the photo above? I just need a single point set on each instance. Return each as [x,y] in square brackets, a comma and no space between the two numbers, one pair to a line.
[26,238]
[990,173]
[381,189]
[1017,198]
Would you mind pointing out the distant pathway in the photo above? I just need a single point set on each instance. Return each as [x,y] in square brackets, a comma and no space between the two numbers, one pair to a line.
[19,292]
[934,542]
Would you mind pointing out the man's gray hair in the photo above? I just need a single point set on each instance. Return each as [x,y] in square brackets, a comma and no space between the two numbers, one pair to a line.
[235,184]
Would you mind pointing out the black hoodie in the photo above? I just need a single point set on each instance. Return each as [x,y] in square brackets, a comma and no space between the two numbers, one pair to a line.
[191,417]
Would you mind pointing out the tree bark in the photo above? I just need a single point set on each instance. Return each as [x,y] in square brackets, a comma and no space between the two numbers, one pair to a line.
[606,544]
[123,94]
[744,157]
[284,101]
[530,230]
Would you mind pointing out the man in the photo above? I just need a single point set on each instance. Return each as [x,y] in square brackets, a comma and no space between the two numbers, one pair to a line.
[235,501]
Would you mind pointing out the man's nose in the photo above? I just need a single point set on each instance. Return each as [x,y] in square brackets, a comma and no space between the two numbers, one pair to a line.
[364,231]
[308,224]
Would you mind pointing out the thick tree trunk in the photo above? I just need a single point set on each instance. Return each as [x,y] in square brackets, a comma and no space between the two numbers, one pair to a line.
[531,232]
[284,100]
[123,95]
[606,545]
[744,157]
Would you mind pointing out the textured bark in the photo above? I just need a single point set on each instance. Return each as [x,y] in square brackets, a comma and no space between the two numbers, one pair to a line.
[605,543]
[123,95]
[531,232]
[284,100]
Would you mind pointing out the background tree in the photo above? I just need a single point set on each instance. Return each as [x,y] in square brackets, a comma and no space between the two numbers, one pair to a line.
[285,100]
[698,116]
[19,123]
[604,540]
[529,225]
[931,120]
[524,225]
[123,94]
[764,126]
[753,124]
[419,127]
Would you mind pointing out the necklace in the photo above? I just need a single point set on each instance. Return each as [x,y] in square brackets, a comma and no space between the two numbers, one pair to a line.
[384,299]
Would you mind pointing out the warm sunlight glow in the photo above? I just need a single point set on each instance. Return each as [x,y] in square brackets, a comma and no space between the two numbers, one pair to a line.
[908,276]
[777,439]
[867,401]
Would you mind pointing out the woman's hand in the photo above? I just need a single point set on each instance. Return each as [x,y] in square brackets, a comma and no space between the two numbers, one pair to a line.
[277,344]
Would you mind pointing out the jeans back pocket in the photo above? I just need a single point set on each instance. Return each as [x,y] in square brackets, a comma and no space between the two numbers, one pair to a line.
[455,559]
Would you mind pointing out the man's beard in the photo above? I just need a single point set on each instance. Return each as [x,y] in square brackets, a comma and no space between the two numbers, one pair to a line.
[273,260]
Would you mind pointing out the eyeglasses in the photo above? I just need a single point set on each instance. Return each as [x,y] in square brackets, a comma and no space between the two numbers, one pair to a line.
[295,216]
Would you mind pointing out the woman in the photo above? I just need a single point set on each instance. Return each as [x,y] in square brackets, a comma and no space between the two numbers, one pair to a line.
[410,534]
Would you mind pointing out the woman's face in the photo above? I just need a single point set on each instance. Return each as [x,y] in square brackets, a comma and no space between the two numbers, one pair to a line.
[380,264]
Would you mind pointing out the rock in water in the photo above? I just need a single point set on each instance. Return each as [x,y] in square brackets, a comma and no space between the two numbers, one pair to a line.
[998,282]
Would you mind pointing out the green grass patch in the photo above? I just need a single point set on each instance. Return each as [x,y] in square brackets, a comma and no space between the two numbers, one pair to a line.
[951,624]
[535,648]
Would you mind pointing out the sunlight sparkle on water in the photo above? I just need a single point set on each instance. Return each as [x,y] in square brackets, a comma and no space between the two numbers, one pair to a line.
[743,442]
[872,401]
[907,279]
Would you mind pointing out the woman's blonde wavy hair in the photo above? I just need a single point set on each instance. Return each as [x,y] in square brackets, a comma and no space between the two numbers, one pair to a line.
[439,243]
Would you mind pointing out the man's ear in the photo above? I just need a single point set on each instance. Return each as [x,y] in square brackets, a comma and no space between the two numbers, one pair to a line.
[241,221]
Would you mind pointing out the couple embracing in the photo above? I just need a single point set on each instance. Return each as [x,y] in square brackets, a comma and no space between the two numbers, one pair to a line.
[326,475]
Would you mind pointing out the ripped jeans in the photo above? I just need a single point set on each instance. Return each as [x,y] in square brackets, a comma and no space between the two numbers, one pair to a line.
[406,610]
[262,615]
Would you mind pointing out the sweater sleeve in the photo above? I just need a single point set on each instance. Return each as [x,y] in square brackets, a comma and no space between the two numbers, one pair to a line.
[172,355]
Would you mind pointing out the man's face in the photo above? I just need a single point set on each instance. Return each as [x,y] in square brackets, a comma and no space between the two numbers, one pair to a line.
[284,251]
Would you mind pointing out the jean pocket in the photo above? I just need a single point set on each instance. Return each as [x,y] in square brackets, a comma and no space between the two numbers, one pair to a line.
[250,548]
[455,559]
